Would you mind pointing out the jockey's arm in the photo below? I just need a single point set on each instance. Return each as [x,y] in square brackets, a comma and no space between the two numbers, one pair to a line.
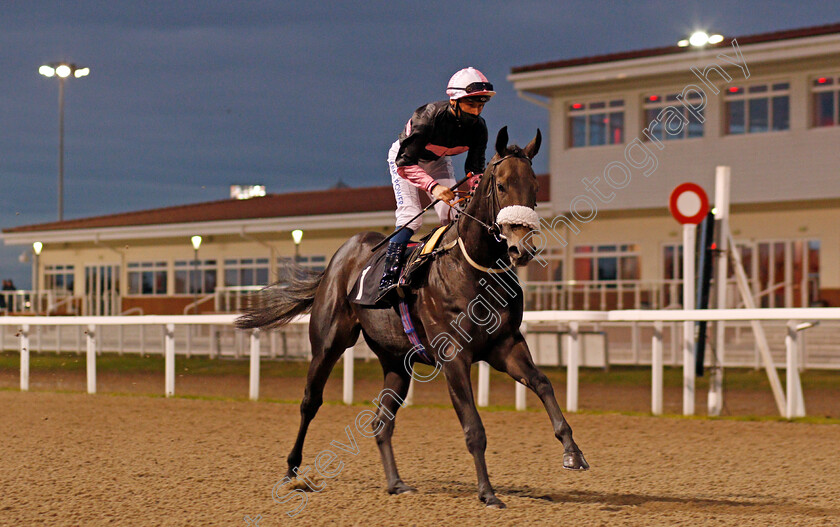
[408,158]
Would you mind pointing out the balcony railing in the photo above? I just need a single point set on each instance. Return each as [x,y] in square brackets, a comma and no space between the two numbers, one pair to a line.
[602,295]
[45,302]
[605,295]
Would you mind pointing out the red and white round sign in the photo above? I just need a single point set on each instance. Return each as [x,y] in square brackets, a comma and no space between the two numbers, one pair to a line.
[689,203]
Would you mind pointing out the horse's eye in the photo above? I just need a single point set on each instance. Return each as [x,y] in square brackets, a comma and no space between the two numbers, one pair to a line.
[500,187]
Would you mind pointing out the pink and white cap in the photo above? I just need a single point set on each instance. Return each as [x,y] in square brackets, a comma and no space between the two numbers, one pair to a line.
[469,82]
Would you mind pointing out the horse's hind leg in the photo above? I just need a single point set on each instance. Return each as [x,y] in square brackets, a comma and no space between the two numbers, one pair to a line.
[327,346]
[514,358]
[397,380]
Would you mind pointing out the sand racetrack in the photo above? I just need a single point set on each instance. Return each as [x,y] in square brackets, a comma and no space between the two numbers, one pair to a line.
[75,459]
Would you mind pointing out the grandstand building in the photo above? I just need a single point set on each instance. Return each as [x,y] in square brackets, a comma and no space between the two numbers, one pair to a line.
[144,262]
[625,129]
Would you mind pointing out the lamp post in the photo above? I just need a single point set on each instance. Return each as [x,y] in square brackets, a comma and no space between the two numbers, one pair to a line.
[196,243]
[62,71]
[297,236]
[36,248]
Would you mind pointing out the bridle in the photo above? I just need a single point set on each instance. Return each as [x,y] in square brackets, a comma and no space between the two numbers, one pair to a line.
[493,229]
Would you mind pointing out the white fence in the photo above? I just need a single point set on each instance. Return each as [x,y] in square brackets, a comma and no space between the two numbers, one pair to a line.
[790,405]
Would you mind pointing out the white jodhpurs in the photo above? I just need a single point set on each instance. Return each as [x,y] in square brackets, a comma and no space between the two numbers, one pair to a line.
[408,196]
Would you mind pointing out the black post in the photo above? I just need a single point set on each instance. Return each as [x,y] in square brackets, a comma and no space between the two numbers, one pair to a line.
[705,267]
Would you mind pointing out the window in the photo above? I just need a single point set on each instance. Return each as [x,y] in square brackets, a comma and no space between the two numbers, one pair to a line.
[596,123]
[606,262]
[147,278]
[59,277]
[195,278]
[553,270]
[758,108]
[825,93]
[675,123]
[246,271]
[312,263]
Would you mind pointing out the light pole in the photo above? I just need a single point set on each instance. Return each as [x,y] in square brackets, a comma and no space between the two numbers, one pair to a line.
[36,248]
[196,243]
[297,236]
[62,71]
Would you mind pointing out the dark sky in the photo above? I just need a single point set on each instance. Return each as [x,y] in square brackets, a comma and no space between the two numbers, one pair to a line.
[186,98]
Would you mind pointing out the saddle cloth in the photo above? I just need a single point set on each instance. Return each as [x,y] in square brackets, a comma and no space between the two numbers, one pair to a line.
[366,288]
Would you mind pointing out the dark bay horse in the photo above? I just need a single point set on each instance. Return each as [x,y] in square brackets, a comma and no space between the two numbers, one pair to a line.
[468,309]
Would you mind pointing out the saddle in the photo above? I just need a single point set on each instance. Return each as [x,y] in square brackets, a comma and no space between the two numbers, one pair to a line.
[366,288]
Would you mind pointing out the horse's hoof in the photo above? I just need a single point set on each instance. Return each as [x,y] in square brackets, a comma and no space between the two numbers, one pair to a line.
[402,488]
[298,484]
[574,461]
[493,503]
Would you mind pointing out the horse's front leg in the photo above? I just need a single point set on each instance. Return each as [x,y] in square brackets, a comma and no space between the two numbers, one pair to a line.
[514,358]
[460,391]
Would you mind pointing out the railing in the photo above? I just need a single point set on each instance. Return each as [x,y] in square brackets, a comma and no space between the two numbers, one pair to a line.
[790,405]
[602,295]
[193,306]
[69,302]
[32,301]
[605,295]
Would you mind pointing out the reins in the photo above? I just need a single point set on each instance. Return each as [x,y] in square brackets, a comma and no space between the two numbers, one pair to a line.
[494,230]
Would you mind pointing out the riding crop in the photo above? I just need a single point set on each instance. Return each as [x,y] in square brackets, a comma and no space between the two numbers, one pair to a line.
[430,205]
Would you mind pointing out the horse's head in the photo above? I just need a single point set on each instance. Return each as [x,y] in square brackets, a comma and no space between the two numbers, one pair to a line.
[512,189]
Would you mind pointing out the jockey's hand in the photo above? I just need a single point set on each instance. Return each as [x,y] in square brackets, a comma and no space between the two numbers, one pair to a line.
[442,193]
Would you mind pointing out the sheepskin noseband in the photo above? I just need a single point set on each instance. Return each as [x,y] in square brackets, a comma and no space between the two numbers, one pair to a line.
[519,215]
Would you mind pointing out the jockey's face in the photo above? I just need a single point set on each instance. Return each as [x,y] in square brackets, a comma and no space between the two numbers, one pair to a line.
[471,106]
[466,105]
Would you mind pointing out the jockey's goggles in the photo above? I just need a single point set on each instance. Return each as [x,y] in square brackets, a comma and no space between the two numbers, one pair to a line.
[478,86]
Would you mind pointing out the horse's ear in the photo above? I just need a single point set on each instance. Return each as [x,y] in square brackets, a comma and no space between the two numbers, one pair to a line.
[502,141]
[534,146]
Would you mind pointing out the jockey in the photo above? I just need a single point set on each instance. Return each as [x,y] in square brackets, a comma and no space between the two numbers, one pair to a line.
[418,160]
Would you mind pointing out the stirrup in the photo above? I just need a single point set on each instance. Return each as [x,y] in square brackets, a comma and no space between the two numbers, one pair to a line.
[386,291]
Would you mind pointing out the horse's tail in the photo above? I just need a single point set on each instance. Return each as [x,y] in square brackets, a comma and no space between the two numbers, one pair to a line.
[277,304]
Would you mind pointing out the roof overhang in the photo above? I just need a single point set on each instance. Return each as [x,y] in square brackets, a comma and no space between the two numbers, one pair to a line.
[545,82]
[178,230]
[323,222]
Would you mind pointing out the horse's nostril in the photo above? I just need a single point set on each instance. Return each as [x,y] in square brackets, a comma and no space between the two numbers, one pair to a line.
[513,251]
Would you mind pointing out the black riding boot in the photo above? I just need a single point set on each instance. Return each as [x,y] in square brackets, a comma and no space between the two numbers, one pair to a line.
[394,260]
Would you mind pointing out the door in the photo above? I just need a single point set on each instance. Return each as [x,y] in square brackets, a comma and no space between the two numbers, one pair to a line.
[102,290]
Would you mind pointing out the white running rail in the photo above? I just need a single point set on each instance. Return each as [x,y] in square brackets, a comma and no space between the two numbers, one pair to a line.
[790,404]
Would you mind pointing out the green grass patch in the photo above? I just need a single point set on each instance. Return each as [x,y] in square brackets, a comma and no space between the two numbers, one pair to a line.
[631,376]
